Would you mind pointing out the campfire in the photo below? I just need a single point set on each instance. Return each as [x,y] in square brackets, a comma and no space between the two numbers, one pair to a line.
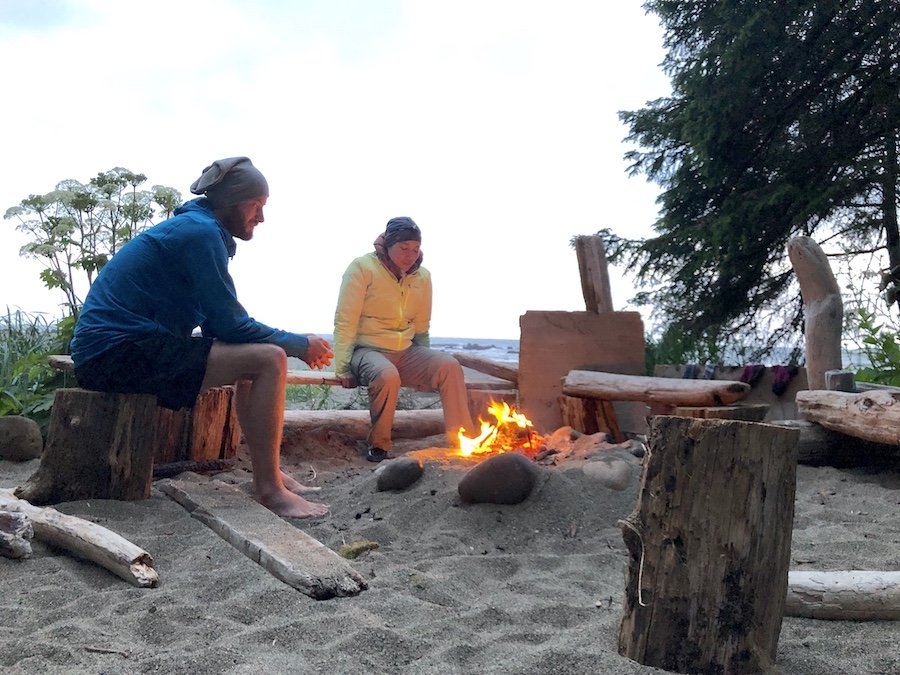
[508,432]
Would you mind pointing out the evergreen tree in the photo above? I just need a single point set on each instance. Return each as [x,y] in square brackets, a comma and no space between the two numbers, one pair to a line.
[783,120]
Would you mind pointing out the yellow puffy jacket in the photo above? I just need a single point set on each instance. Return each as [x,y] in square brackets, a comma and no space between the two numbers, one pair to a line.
[374,309]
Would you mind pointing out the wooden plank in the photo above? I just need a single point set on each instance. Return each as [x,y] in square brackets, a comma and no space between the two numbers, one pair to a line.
[312,377]
[288,553]
[64,362]
[617,387]
[553,343]
[872,415]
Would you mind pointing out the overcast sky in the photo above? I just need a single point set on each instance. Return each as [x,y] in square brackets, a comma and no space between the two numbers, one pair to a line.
[491,123]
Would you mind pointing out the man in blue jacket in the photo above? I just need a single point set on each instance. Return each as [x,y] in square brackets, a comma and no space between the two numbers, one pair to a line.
[135,331]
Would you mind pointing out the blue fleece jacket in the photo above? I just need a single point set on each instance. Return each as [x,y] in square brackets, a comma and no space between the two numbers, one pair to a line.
[169,280]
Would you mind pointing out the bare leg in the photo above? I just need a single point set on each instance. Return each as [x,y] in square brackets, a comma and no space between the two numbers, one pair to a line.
[259,372]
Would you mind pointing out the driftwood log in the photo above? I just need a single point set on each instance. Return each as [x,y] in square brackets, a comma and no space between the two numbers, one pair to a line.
[871,415]
[86,540]
[709,546]
[16,532]
[823,309]
[866,595]
[355,423]
[285,551]
[617,387]
[503,371]
[594,272]
[819,446]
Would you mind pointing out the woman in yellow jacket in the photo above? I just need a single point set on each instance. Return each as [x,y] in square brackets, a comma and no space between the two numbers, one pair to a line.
[381,336]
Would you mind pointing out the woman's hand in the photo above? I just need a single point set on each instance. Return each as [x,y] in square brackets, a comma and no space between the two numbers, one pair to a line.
[318,354]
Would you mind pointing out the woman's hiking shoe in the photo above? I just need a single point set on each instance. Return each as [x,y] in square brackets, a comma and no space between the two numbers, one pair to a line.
[377,455]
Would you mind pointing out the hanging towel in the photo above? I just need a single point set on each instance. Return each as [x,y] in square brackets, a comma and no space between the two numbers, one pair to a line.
[782,377]
[752,373]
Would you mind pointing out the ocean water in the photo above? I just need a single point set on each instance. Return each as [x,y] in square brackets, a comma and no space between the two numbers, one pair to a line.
[494,349]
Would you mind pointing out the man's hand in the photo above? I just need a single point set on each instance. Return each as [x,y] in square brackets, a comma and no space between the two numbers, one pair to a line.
[348,382]
[318,354]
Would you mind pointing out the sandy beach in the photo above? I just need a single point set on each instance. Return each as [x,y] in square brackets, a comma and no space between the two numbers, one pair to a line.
[453,588]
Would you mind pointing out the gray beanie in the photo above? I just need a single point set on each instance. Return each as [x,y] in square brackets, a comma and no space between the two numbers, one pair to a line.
[230,181]
[401,229]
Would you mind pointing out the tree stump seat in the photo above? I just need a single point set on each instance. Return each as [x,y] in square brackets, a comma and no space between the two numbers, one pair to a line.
[104,446]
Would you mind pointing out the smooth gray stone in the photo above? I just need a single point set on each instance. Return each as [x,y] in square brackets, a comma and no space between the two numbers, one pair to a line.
[399,474]
[507,478]
[20,438]
[612,472]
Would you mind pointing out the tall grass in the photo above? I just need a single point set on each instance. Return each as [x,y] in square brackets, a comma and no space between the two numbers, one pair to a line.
[27,382]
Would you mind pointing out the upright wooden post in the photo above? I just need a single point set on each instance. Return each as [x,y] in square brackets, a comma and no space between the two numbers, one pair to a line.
[709,546]
[594,274]
[823,309]
[100,446]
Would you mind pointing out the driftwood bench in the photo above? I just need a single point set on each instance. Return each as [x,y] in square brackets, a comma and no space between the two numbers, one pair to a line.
[111,446]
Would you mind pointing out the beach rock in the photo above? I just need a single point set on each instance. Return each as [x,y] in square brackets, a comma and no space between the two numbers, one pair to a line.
[20,438]
[398,474]
[616,473]
[507,478]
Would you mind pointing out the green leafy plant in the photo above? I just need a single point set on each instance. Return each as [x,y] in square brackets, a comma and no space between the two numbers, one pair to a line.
[76,228]
[27,381]
[309,396]
[879,347]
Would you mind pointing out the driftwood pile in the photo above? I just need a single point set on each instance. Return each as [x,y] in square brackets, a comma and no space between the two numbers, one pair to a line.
[82,538]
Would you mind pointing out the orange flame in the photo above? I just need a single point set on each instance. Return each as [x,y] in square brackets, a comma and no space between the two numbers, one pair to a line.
[504,435]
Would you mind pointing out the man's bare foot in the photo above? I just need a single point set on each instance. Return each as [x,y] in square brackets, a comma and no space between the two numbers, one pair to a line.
[296,486]
[288,505]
